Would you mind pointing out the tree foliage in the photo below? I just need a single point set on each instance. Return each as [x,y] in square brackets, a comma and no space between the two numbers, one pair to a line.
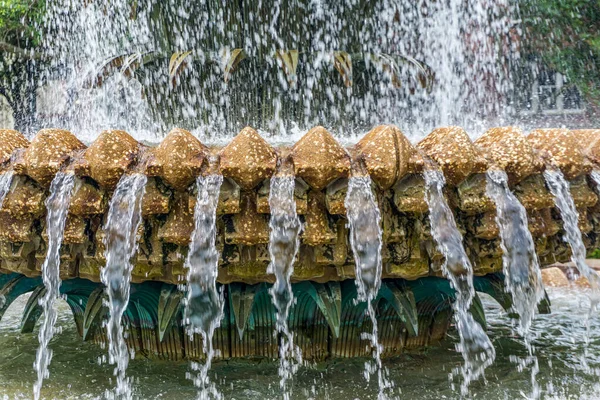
[20,21]
[565,34]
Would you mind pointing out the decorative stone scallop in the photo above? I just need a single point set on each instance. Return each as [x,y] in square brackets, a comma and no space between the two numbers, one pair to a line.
[451,148]
[319,159]
[385,154]
[178,159]
[46,154]
[108,158]
[564,149]
[248,159]
[508,149]
[10,140]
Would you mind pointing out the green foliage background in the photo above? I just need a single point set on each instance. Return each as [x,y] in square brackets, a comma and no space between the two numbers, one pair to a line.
[19,22]
[565,34]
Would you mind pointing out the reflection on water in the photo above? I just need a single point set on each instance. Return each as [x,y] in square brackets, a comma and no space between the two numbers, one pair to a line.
[78,374]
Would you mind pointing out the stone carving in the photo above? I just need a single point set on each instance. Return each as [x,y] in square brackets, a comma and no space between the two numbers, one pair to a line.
[248,159]
[46,154]
[321,166]
[319,159]
[108,158]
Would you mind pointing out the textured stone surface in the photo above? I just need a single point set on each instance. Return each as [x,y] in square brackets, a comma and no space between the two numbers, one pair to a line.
[533,193]
[589,140]
[48,150]
[386,153]
[108,158]
[484,226]
[317,229]
[508,149]
[178,159]
[242,213]
[156,200]
[335,196]
[583,195]
[10,140]
[452,149]
[15,229]
[229,198]
[249,227]
[554,277]
[179,225]
[541,223]
[26,197]
[472,195]
[87,199]
[409,194]
[563,148]
[319,159]
[248,159]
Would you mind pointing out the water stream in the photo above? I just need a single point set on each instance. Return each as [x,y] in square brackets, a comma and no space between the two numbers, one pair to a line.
[57,205]
[284,241]
[364,222]
[523,278]
[121,226]
[595,174]
[5,182]
[560,189]
[475,346]
[204,303]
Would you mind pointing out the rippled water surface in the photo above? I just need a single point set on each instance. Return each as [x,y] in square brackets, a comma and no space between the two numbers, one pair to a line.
[77,373]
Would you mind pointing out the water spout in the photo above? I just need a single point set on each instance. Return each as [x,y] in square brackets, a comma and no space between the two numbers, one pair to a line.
[122,223]
[284,241]
[204,304]
[520,263]
[364,221]
[523,278]
[57,205]
[476,348]
[560,189]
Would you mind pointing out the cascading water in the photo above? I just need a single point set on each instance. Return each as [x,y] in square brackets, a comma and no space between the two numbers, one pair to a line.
[95,71]
[364,221]
[560,189]
[595,177]
[421,64]
[523,278]
[122,223]
[460,41]
[5,182]
[284,241]
[520,264]
[476,348]
[57,205]
[204,304]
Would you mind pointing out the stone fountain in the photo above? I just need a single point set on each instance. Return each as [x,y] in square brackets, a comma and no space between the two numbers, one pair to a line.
[413,305]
